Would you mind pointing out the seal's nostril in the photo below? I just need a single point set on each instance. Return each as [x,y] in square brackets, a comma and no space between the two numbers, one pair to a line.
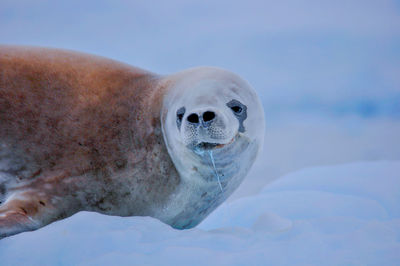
[193,118]
[208,116]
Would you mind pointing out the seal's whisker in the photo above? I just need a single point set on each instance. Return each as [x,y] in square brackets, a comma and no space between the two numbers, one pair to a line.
[215,169]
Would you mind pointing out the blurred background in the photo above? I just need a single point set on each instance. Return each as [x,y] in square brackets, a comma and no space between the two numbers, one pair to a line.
[327,72]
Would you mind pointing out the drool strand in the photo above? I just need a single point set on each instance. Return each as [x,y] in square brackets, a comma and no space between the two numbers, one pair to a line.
[215,169]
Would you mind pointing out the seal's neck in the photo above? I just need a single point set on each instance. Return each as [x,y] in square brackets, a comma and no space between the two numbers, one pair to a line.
[207,179]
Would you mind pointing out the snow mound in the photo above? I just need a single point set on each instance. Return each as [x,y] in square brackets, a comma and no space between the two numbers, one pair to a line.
[337,215]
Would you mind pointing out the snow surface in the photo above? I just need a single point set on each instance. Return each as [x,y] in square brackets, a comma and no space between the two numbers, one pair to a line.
[336,215]
[298,141]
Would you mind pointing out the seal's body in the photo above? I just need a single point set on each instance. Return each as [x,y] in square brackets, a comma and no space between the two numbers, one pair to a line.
[80,132]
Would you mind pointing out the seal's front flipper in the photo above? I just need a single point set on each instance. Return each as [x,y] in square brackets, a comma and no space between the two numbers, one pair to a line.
[22,212]
[14,222]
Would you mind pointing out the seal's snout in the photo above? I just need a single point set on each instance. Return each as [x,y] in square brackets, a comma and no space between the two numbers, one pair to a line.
[206,127]
[204,119]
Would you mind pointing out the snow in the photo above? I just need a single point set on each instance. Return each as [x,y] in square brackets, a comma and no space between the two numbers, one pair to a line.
[334,215]
[297,141]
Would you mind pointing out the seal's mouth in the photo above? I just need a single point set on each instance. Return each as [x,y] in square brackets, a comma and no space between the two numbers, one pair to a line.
[211,146]
[208,145]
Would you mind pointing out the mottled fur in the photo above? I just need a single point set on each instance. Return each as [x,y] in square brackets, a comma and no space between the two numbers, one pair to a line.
[81,128]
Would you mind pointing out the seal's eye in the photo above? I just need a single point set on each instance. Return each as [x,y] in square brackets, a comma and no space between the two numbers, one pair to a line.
[179,116]
[237,109]
[240,111]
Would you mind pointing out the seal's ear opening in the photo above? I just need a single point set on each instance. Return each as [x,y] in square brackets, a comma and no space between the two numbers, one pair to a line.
[179,116]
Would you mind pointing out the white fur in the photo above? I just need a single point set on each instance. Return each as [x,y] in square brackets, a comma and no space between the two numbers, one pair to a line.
[208,89]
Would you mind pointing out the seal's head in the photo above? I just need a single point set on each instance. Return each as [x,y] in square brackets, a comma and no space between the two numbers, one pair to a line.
[213,127]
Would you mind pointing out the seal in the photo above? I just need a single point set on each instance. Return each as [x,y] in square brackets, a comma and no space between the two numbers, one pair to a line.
[84,133]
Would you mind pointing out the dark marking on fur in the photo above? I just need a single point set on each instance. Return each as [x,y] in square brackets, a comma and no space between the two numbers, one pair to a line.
[23,209]
[240,112]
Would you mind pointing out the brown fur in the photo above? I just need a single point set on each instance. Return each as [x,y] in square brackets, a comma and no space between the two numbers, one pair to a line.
[81,124]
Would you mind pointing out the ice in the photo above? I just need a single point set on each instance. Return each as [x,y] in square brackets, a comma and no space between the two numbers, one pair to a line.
[335,215]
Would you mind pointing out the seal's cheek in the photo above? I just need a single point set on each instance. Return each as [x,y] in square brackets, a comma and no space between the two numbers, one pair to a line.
[189,134]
